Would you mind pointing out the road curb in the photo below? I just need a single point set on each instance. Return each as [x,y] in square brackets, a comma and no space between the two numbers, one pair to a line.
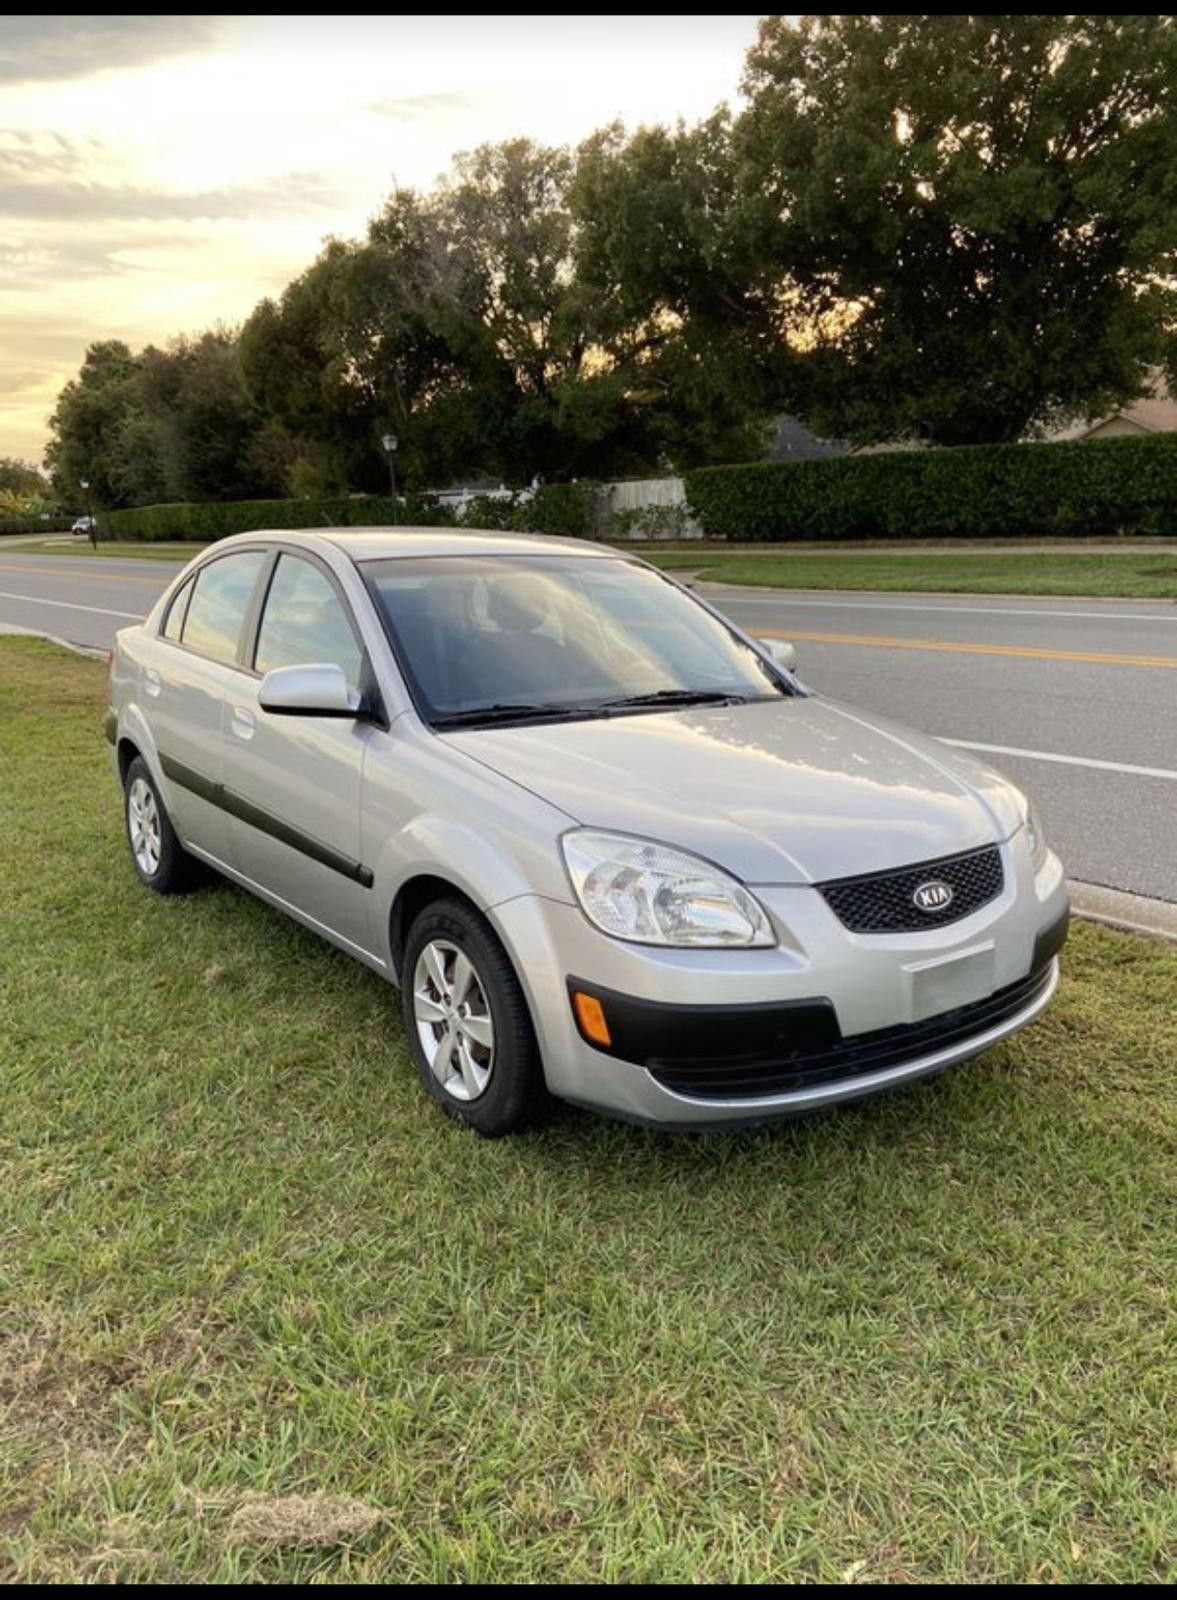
[1135,913]
[94,652]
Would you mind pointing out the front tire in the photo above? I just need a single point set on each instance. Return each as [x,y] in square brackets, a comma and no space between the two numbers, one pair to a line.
[468,1026]
[159,859]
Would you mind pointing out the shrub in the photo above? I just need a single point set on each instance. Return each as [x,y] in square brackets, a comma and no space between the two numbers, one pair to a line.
[975,491]
[650,523]
[490,511]
[560,508]
[217,519]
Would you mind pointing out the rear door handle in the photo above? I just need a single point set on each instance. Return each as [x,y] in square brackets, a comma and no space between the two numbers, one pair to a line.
[242,722]
[151,683]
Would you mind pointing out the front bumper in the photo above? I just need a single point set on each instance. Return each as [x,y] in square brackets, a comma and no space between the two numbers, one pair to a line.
[710,1038]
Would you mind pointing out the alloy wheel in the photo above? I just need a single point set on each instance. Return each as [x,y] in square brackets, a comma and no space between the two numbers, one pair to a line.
[143,826]
[453,1020]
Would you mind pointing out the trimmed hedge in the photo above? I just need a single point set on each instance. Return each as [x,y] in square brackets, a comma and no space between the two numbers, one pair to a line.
[565,508]
[973,491]
[217,519]
[31,524]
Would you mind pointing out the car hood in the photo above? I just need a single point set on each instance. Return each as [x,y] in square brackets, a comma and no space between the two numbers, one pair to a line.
[797,790]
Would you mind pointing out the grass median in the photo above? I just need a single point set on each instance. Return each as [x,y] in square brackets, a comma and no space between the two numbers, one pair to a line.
[135,549]
[1140,574]
[265,1315]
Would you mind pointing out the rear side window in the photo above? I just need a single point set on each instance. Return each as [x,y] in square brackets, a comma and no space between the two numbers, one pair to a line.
[304,621]
[173,627]
[220,599]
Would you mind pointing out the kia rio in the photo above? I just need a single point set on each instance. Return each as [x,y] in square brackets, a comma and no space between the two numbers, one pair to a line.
[609,848]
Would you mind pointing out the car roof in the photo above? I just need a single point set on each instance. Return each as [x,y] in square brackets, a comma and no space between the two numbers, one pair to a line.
[382,544]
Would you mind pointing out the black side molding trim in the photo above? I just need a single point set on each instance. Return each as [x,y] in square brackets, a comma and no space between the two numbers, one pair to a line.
[245,811]
[188,778]
[646,1030]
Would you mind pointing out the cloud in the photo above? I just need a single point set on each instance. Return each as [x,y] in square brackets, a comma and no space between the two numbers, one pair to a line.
[28,268]
[20,379]
[414,107]
[75,200]
[47,177]
[36,49]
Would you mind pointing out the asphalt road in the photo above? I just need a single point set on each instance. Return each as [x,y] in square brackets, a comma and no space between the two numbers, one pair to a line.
[1076,699]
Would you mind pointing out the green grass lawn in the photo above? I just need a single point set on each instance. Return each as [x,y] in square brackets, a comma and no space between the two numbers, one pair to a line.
[139,549]
[265,1314]
[1146,574]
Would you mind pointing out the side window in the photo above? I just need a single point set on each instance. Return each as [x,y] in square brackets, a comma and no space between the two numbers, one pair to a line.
[304,621]
[174,624]
[219,602]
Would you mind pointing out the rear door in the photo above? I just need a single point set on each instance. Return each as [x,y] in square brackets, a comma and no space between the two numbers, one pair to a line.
[292,783]
[186,671]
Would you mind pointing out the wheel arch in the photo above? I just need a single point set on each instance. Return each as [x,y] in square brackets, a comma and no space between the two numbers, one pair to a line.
[414,894]
[125,752]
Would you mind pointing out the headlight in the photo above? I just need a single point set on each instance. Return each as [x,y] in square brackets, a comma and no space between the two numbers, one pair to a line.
[1035,836]
[646,892]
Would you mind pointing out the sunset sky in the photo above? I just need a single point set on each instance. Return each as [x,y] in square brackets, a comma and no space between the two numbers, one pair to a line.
[160,174]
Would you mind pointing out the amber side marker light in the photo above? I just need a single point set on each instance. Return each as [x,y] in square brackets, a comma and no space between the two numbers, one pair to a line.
[591,1018]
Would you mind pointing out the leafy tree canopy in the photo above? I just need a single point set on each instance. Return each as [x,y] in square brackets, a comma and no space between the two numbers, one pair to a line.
[953,229]
[968,221]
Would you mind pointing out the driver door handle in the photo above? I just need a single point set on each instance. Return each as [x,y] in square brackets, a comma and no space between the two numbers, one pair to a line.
[242,722]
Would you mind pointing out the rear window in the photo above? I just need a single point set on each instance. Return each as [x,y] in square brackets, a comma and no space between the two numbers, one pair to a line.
[174,625]
[220,600]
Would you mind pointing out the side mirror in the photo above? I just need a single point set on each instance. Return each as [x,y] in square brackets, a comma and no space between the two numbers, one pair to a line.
[317,690]
[781,651]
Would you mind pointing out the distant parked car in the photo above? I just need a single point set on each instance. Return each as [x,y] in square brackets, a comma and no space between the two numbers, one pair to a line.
[83,524]
[608,846]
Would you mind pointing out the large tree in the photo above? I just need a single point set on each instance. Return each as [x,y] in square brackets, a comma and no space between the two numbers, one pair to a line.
[483,325]
[669,291]
[21,480]
[172,423]
[87,422]
[968,221]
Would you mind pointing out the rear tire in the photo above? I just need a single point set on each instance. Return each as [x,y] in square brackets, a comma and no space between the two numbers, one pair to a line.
[467,1022]
[159,859]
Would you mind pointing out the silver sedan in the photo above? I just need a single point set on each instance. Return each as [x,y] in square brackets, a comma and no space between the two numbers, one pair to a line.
[609,848]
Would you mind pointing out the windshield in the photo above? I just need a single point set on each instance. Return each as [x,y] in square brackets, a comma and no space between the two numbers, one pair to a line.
[486,638]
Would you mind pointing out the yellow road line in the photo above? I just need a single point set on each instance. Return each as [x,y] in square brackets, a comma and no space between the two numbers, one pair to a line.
[1026,652]
[84,572]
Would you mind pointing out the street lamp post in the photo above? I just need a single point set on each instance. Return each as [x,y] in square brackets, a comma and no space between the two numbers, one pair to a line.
[91,528]
[389,441]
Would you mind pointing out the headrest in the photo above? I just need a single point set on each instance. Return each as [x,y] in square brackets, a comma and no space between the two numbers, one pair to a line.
[517,603]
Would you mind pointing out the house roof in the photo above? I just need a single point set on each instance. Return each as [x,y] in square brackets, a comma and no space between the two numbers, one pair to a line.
[1154,413]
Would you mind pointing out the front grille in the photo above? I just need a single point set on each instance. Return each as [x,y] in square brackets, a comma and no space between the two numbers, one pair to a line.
[743,1078]
[883,902]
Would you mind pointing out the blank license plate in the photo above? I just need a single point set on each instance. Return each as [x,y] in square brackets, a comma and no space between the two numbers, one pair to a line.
[938,986]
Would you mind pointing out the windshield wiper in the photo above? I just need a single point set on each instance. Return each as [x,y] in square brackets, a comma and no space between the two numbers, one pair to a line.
[530,711]
[499,712]
[676,697]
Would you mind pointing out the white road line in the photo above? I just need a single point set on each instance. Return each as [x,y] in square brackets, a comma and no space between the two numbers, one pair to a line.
[69,605]
[783,597]
[1066,761]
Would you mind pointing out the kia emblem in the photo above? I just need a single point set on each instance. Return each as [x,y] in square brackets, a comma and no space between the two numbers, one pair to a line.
[935,895]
